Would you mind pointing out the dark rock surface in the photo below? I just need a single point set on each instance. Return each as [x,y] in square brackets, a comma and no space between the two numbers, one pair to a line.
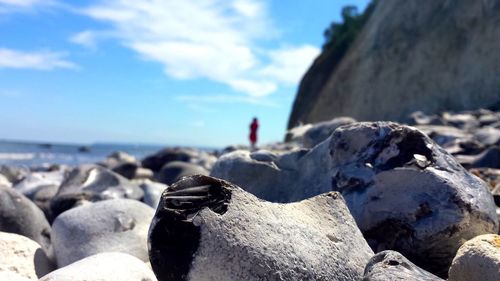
[408,194]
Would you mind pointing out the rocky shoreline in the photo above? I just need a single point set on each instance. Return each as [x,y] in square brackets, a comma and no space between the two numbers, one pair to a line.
[339,200]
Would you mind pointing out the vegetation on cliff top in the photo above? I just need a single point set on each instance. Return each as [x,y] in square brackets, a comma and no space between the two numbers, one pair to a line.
[340,35]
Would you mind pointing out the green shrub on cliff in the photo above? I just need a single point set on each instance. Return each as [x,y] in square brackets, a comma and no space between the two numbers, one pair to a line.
[339,36]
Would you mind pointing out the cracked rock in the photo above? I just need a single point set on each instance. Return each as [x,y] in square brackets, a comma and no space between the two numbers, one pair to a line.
[209,229]
[407,194]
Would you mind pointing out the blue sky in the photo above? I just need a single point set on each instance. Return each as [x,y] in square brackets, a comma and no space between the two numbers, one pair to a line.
[186,72]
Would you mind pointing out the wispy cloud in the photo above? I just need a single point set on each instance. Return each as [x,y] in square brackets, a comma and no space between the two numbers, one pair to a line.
[20,3]
[226,99]
[210,39]
[85,38]
[41,60]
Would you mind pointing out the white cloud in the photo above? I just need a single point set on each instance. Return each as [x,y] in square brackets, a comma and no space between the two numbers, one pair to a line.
[20,3]
[289,64]
[210,39]
[42,60]
[85,38]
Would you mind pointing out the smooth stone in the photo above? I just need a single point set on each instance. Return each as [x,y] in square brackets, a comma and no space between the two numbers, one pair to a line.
[292,176]
[21,216]
[463,120]
[22,256]
[119,225]
[118,158]
[488,136]
[133,171]
[489,119]
[91,183]
[175,170]
[420,118]
[407,194]
[104,267]
[158,160]
[14,174]
[263,156]
[490,158]
[392,266]
[152,193]
[477,259]
[443,135]
[35,180]
[322,130]
[209,229]
[42,197]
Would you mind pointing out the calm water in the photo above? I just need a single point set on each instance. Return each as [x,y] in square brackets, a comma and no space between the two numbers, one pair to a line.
[33,154]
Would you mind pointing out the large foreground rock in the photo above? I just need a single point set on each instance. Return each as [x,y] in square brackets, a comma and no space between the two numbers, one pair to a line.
[288,177]
[22,257]
[19,215]
[392,266]
[104,267]
[210,229]
[92,183]
[119,225]
[477,259]
[408,194]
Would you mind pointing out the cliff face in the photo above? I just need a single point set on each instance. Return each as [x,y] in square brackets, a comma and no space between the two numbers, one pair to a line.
[430,55]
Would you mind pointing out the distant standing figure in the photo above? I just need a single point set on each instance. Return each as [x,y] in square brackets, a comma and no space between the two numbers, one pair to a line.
[253,133]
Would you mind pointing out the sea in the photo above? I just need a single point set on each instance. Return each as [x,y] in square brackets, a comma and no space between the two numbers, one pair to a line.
[33,154]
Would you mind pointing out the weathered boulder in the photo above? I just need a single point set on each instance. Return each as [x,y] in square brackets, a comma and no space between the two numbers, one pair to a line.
[21,216]
[119,225]
[407,194]
[175,170]
[104,266]
[210,229]
[23,257]
[322,130]
[288,177]
[392,266]
[92,183]
[477,259]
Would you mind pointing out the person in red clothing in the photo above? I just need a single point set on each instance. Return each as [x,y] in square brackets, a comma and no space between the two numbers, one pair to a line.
[253,133]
